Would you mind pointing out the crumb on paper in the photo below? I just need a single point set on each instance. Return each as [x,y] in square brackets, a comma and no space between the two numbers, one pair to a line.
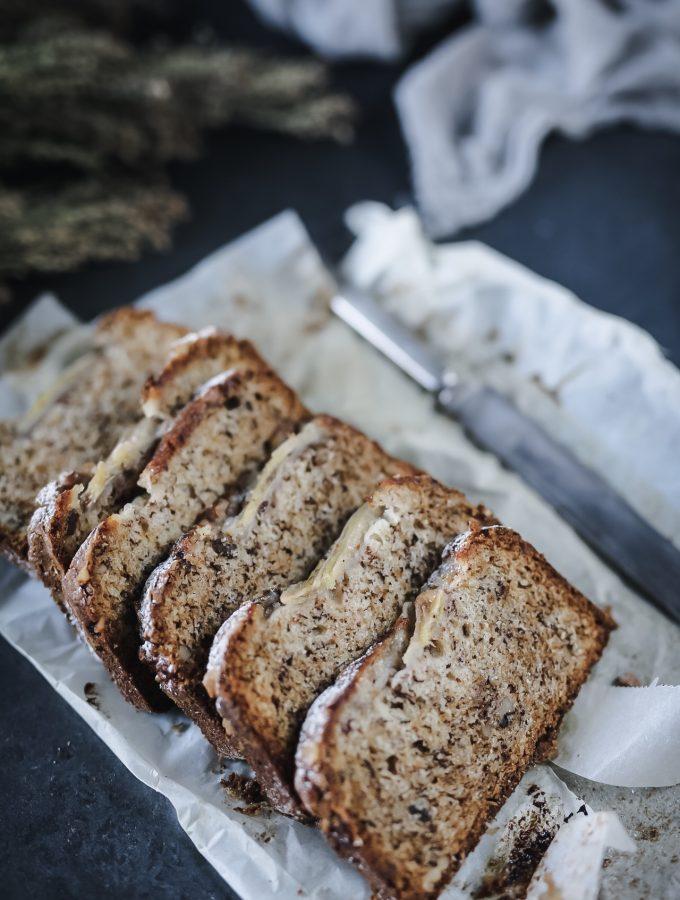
[582,811]
[254,809]
[627,679]
[246,789]
[536,379]
[512,867]
[91,695]
[552,891]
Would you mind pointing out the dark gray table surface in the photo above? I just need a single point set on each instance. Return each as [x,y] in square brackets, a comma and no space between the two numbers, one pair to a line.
[601,218]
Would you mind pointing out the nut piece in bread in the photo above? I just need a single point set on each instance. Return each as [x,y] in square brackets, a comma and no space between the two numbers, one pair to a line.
[274,655]
[70,508]
[216,442]
[296,508]
[408,756]
[79,421]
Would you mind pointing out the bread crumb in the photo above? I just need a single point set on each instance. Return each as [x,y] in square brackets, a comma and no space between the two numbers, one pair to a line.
[627,679]
[91,695]
[241,787]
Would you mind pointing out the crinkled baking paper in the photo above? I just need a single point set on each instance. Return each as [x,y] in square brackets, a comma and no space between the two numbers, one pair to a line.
[271,286]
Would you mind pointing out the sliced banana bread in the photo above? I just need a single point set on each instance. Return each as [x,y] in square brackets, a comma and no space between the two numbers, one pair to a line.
[80,419]
[219,439]
[274,655]
[69,508]
[408,756]
[298,505]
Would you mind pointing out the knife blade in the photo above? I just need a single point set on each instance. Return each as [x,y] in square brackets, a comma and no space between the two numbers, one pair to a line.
[605,521]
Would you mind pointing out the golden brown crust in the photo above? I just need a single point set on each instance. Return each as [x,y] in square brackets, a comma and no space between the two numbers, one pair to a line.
[51,522]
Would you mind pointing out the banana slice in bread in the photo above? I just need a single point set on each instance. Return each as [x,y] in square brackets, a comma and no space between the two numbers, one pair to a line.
[410,754]
[274,655]
[69,508]
[297,507]
[215,443]
[94,401]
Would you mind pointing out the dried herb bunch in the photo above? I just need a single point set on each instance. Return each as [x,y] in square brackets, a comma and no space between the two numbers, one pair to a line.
[88,122]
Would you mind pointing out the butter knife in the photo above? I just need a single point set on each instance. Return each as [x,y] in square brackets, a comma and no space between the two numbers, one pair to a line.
[618,534]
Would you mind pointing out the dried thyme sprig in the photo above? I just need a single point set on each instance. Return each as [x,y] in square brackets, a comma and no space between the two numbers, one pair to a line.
[88,122]
[89,220]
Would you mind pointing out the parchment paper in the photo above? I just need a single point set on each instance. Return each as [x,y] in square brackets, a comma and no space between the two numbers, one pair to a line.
[271,287]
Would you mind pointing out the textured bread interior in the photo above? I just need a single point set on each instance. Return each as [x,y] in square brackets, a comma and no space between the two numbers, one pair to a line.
[296,508]
[195,359]
[406,759]
[215,442]
[275,655]
[80,419]
[69,509]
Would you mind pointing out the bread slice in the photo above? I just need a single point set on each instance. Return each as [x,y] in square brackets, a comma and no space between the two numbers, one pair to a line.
[408,756]
[70,507]
[80,419]
[295,510]
[216,441]
[274,655]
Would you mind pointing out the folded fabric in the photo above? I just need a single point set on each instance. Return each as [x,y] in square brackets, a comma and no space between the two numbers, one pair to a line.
[337,28]
[475,112]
